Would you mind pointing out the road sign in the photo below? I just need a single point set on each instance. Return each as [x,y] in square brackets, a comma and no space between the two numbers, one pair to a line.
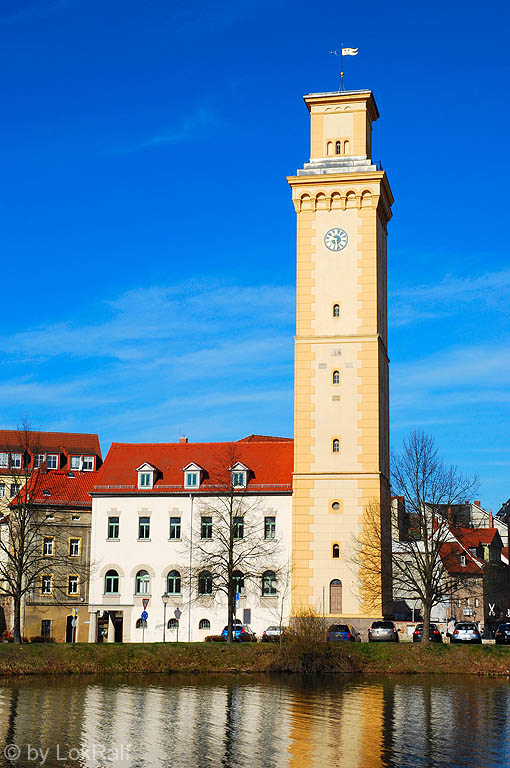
[74,611]
[145,602]
[144,616]
[237,595]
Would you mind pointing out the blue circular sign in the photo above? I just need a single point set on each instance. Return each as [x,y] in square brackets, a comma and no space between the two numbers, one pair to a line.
[144,616]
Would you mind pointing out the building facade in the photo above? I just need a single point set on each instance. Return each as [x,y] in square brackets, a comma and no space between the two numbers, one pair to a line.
[157,515]
[57,605]
[341,452]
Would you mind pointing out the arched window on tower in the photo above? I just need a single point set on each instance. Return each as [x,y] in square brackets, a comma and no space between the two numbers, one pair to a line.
[336,310]
[336,445]
[346,147]
[338,148]
[336,551]
[335,596]
[336,377]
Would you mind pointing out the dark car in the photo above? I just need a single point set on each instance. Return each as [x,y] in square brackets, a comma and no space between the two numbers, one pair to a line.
[383,632]
[240,633]
[343,633]
[466,633]
[434,634]
[503,634]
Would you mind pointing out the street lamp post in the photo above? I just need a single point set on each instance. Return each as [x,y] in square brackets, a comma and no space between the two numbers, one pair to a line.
[164,597]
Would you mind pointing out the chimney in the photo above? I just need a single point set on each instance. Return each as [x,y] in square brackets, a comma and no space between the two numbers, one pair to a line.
[477,503]
[491,519]
[183,439]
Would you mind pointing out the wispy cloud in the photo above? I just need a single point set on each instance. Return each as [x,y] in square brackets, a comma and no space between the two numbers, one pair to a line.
[411,304]
[188,129]
[202,357]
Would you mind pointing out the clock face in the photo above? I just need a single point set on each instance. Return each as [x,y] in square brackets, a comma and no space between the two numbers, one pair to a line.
[335,239]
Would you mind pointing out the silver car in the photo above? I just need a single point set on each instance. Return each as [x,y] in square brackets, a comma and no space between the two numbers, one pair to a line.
[383,632]
[466,633]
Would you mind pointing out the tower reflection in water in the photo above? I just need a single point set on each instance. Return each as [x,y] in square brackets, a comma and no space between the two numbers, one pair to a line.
[267,722]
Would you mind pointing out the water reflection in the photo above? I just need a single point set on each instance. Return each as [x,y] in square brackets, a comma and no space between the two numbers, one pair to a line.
[260,723]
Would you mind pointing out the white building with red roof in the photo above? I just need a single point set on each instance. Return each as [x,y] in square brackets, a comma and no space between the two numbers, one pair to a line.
[151,514]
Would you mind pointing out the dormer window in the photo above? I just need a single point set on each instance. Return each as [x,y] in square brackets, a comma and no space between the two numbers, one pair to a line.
[146,476]
[192,476]
[51,460]
[239,475]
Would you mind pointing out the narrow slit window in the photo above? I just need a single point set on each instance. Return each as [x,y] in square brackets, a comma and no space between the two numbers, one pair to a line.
[338,148]
[336,310]
[336,377]
[336,445]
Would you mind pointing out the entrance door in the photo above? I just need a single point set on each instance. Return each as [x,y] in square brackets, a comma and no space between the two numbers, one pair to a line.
[102,628]
[117,626]
[69,629]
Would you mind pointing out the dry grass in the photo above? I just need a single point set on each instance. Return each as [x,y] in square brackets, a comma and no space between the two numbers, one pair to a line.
[297,655]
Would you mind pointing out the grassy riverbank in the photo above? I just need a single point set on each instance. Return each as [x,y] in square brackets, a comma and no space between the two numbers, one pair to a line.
[217,658]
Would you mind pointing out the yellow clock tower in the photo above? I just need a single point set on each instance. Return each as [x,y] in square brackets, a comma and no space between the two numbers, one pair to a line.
[341,430]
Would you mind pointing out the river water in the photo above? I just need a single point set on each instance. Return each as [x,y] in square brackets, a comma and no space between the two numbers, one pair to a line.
[248,722]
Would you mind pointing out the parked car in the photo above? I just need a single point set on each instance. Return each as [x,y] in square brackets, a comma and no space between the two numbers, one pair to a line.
[240,632]
[343,633]
[273,634]
[383,632]
[434,634]
[503,634]
[466,633]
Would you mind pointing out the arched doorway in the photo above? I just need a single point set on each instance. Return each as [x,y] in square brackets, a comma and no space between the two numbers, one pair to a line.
[335,596]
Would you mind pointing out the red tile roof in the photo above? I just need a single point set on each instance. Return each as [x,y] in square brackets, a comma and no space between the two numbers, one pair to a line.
[61,442]
[474,537]
[264,439]
[270,462]
[451,553]
[61,488]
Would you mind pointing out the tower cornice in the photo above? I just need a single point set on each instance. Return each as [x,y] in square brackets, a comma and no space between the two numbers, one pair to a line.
[339,98]
[326,186]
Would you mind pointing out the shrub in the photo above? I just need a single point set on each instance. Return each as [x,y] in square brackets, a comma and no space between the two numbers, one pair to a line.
[41,639]
[214,639]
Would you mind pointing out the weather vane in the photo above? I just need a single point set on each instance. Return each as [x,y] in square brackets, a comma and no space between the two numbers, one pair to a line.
[343,52]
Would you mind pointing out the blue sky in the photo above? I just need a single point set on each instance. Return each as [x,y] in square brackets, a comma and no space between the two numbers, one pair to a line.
[148,238]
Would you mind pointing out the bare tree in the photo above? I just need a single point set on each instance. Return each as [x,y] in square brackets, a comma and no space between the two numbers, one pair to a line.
[231,544]
[32,542]
[417,564]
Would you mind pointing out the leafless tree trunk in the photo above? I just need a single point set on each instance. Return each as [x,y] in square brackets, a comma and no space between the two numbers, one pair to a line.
[418,570]
[238,545]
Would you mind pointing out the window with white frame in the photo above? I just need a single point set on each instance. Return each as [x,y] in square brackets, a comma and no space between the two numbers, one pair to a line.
[74,547]
[88,464]
[192,476]
[14,489]
[142,583]
[463,560]
[52,461]
[75,462]
[38,459]
[48,546]
[238,525]
[73,585]
[145,480]
[173,583]
[239,479]
[144,527]
[113,527]
[191,480]
[239,475]
[111,582]
[175,528]
[16,460]
[46,584]
[269,583]
[270,527]
[146,476]
[2,490]
[4,460]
